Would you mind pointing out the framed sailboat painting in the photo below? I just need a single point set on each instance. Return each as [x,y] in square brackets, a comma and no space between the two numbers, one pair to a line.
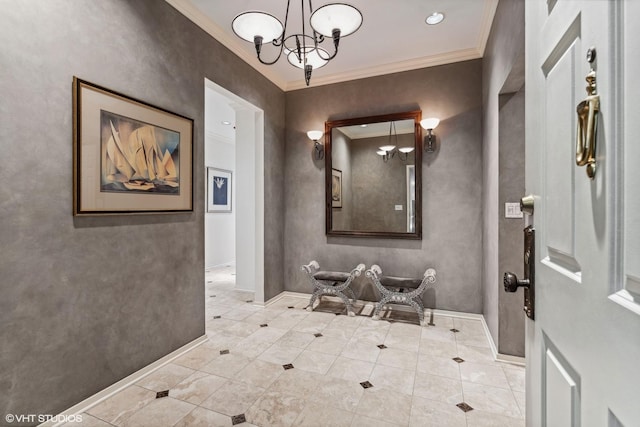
[218,190]
[130,157]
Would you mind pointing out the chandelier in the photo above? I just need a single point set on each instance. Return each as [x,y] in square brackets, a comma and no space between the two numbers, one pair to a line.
[334,20]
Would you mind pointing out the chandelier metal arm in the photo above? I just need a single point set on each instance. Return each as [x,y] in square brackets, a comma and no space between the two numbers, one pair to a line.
[257,40]
[305,48]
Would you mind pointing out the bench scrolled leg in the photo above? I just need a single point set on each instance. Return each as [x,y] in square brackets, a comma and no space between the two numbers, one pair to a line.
[376,313]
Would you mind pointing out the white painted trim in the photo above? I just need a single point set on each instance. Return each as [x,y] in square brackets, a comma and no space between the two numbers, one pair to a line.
[115,388]
[626,300]
[492,344]
[239,104]
[395,67]
[233,44]
[499,357]
[224,264]
[513,360]
[220,137]
[488,14]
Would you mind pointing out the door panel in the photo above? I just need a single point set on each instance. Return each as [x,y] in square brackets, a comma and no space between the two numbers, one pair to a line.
[559,158]
[583,348]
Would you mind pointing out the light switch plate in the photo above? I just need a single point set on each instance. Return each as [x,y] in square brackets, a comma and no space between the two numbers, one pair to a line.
[398,207]
[512,210]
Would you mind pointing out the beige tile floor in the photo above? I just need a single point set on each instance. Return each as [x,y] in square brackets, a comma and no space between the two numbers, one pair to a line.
[238,373]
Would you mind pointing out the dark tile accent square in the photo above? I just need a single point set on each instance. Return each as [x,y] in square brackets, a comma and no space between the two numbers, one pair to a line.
[238,419]
[217,317]
[249,300]
[454,330]
[464,407]
[264,325]
[382,346]
[458,359]
[366,384]
[291,306]
[318,335]
[210,281]
[164,393]
[212,296]
[224,351]
[287,366]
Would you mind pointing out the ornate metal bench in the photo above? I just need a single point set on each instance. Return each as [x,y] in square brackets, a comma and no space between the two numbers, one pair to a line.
[333,283]
[400,290]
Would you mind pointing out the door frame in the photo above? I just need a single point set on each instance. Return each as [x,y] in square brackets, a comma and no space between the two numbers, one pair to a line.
[249,192]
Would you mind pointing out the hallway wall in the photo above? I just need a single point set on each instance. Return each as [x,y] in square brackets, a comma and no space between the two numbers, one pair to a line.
[451,177]
[87,301]
[503,54]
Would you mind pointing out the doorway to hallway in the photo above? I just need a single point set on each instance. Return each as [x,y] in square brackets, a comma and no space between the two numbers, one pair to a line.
[234,147]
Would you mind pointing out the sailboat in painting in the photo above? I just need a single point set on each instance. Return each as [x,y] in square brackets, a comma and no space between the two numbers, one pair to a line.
[134,161]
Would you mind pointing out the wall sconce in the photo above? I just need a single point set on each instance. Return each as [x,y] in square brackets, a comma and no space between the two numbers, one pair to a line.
[429,141]
[315,135]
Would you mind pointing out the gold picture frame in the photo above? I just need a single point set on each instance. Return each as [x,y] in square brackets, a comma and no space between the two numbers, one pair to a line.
[130,157]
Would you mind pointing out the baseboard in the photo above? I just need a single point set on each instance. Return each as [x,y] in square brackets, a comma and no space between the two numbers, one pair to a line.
[224,264]
[102,395]
[507,358]
[499,357]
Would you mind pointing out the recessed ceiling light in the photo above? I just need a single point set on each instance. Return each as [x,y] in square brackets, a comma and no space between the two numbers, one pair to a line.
[225,122]
[435,18]
[363,126]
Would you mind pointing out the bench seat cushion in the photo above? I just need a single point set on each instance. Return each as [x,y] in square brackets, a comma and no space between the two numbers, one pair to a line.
[333,276]
[400,282]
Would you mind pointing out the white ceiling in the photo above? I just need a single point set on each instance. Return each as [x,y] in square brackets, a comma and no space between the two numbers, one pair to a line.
[393,36]
[377,129]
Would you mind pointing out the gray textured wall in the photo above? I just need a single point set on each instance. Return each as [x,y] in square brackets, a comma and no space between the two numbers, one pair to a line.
[76,313]
[379,186]
[452,183]
[511,238]
[502,56]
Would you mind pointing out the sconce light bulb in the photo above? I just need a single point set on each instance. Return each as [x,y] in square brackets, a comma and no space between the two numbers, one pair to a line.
[387,147]
[430,123]
[315,135]
[381,153]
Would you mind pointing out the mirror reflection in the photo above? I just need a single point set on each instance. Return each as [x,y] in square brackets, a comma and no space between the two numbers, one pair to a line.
[373,178]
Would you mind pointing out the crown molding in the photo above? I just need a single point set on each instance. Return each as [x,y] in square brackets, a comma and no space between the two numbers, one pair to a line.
[488,14]
[192,13]
[396,67]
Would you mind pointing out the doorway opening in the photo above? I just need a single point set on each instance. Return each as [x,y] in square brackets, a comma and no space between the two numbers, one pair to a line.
[234,145]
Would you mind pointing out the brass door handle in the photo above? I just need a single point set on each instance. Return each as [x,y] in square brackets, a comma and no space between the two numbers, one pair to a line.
[588,125]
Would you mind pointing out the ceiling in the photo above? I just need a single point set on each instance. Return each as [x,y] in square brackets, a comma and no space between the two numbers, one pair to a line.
[393,37]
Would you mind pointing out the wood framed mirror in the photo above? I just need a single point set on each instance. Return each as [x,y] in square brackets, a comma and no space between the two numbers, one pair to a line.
[371,189]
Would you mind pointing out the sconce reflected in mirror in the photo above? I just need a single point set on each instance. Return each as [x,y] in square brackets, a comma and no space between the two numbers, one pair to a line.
[429,141]
[315,135]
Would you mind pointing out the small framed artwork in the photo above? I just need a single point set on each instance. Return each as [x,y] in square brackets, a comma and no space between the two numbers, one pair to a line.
[218,190]
[336,188]
[130,157]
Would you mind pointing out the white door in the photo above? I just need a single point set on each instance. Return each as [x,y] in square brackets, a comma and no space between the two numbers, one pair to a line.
[583,349]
